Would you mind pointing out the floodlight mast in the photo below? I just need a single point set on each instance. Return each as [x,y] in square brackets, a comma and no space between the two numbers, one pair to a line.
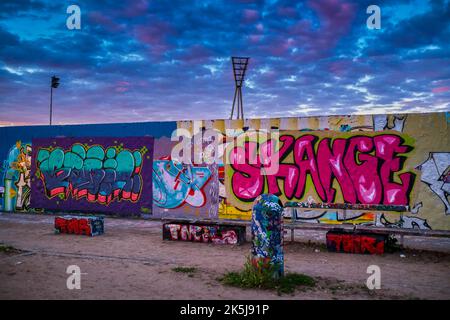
[239,68]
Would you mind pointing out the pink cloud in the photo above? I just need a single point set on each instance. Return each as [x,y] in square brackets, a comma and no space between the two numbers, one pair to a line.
[121,89]
[288,12]
[334,13]
[440,89]
[340,67]
[250,15]
[281,46]
[335,18]
[98,18]
[254,38]
[196,53]
[122,86]
[260,27]
[154,34]
[135,8]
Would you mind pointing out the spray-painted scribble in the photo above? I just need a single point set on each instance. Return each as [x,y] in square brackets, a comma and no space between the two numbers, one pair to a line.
[388,122]
[330,217]
[175,184]
[436,174]
[415,209]
[354,242]
[406,222]
[217,234]
[90,226]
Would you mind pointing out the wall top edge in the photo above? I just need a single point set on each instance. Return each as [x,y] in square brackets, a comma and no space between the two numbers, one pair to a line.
[220,119]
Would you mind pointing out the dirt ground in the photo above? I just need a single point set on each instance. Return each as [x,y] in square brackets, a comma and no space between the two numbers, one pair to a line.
[131,261]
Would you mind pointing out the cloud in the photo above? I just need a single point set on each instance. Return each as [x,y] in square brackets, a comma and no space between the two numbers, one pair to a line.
[440,89]
[147,60]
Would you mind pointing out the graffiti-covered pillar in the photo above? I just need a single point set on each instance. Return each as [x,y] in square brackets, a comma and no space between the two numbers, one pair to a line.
[8,202]
[267,234]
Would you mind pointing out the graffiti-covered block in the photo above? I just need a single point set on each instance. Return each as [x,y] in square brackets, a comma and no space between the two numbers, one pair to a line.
[90,226]
[355,242]
[213,233]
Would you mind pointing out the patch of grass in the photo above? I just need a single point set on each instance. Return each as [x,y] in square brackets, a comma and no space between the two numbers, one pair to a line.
[146,210]
[185,269]
[7,248]
[252,278]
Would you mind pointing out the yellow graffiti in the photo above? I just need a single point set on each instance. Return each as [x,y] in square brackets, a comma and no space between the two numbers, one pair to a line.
[227,211]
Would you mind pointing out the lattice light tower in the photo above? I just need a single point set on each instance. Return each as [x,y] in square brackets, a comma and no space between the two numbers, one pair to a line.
[239,68]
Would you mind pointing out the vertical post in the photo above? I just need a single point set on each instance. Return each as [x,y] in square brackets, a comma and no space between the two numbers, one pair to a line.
[402,240]
[54,84]
[267,235]
[293,219]
[51,101]
[8,199]
[242,104]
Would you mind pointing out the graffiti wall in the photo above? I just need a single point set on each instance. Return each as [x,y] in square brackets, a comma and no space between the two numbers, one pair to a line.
[16,154]
[92,174]
[390,160]
[361,159]
[382,160]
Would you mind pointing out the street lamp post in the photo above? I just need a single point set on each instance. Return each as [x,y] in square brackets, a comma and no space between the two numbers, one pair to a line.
[54,84]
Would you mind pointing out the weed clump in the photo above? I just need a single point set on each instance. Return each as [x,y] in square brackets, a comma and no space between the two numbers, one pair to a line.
[262,278]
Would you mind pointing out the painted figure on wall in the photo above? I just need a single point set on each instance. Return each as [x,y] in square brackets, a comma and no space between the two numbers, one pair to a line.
[16,178]
[436,174]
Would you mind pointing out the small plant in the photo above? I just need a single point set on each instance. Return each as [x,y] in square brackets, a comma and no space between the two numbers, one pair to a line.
[184,269]
[392,244]
[7,249]
[145,210]
[262,278]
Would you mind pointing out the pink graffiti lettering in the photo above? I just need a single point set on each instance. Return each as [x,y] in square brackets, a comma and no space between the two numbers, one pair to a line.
[364,168]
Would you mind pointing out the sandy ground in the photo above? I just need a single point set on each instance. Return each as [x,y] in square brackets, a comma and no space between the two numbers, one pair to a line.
[131,261]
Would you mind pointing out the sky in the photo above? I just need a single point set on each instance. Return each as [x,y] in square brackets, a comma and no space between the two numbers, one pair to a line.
[151,60]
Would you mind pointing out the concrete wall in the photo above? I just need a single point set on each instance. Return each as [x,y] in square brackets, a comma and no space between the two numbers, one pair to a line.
[384,160]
